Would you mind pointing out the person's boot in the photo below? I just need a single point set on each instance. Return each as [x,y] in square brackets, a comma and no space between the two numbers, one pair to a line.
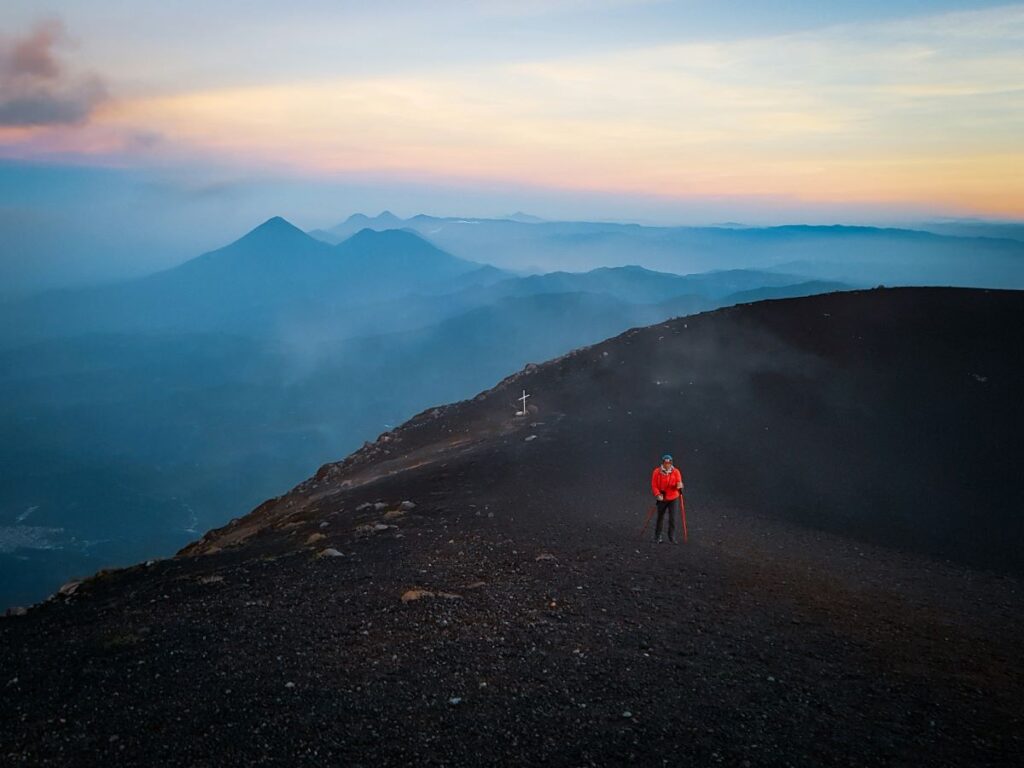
[660,539]
[672,538]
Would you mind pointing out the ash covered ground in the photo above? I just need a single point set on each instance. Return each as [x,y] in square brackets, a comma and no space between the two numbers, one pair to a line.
[849,594]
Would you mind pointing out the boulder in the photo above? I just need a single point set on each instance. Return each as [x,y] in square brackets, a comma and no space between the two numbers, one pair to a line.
[70,588]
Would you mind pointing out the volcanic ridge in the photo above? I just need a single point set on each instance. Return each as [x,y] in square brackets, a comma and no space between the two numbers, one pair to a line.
[472,588]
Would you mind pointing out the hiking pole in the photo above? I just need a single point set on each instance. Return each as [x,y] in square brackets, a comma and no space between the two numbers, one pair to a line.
[650,514]
[682,514]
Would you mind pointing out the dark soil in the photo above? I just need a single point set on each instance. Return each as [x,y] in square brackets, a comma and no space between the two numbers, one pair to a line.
[842,600]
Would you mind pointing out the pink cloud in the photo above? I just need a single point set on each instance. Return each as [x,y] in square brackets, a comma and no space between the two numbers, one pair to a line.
[36,89]
[32,55]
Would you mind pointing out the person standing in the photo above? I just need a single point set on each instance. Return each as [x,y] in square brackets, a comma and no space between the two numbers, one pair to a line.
[666,483]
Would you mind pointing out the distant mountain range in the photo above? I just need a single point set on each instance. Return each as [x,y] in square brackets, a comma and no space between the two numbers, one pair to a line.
[277,280]
[263,279]
[1006,230]
[948,255]
[136,413]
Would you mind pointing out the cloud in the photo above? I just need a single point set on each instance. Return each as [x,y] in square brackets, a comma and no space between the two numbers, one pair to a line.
[35,87]
[924,111]
[860,112]
[32,55]
[551,7]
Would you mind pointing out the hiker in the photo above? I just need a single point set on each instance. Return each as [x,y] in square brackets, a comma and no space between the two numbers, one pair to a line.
[666,483]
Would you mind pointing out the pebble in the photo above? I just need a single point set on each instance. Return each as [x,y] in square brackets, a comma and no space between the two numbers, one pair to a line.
[415,594]
[418,594]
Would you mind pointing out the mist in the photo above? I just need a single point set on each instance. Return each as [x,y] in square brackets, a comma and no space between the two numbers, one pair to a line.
[71,225]
[138,413]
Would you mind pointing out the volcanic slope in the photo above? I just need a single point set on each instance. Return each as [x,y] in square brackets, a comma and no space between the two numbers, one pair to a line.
[850,592]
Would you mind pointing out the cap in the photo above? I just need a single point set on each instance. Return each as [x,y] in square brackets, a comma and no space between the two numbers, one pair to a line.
[667,457]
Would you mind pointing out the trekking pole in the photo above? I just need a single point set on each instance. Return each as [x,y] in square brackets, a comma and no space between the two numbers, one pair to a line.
[682,514]
[650,514]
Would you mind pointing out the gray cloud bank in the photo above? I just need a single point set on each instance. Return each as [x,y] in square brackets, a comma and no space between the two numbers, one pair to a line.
[35,87]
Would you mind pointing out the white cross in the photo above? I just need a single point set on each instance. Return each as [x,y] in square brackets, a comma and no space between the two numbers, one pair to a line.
[523,398]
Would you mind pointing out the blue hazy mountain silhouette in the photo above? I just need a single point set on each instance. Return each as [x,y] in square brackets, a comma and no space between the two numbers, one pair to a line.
[258,280]
[523,218]
[856,254]
[138,412]
[277,256]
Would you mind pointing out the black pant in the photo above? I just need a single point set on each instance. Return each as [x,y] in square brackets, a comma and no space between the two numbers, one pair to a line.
[672,508]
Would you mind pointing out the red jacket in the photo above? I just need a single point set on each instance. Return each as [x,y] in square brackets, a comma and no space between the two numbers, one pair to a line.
[666,484]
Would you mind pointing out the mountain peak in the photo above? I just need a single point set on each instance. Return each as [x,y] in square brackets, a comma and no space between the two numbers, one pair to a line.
[387,217]
[369,234]
[523,218]
[276,237]
[275,226]
[275,222]
[358,221]
[402,249]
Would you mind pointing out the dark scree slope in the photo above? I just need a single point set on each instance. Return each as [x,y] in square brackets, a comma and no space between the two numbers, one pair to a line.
[850,593]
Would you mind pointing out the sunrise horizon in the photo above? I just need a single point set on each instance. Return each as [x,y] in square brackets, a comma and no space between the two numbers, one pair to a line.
[131,142]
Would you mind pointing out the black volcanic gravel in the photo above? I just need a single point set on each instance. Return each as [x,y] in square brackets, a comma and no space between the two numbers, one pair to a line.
[555,634]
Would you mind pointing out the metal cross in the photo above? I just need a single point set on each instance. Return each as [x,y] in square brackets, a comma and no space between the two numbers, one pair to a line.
[523,398]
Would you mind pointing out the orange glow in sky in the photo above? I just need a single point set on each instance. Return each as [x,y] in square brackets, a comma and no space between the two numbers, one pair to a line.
[923,111]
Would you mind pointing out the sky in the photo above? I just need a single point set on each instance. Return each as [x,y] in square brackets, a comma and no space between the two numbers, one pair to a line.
[135,134]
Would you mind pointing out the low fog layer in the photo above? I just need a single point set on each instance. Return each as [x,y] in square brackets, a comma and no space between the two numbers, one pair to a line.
[974,255]
[136,415]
